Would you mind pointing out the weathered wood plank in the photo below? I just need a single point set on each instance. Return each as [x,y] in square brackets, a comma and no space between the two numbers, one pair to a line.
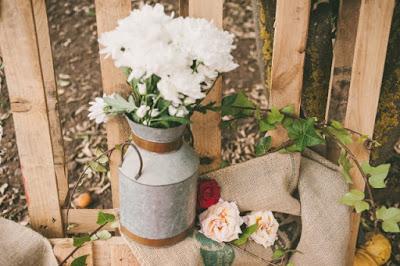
[46,61]
[107,14]
[366,78]
[101,250]
[206,130]
[31,119]
[84,220]
[343,53]
[290,39]
[121,255]
[184,8]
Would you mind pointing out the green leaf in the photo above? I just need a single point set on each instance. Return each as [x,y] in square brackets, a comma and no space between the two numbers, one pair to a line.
[337,130]
[79,261]
[289,109]
[377,175]
[274,116]
[278,253]
[290,264]
[102,158]
[103,218]
[361,206]
[79,241]
[237,105]
[101,235]
[245,235]
[304,134]
[346,166]
[263,145]
[264,126]
[351,197]
[96,167]
[119,105]
[390,218]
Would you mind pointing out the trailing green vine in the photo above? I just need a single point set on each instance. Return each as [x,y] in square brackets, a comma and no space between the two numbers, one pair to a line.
[305,132]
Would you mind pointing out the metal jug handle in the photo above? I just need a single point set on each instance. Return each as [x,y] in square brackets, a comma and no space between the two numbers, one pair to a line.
[123,148]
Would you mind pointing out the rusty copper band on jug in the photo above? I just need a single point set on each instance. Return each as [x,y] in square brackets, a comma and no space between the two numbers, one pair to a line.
[155,146]
[156,242]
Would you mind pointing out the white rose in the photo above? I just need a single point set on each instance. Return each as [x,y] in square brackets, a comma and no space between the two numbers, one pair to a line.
[142,89]
[142,111]
[221,222]
[267,230]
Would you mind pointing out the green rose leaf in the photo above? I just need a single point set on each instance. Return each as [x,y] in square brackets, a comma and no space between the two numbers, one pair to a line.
[346,166]
[390,218]
[214,253]
[377,175]
[278,253]
[337,129]
[245,235]
[304,134]
[103,218]
[79,241]
[355,198]
[97,167]
[79,261]
[263,145]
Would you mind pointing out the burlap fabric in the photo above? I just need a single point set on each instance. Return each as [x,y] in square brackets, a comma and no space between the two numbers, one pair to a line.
[21,246]
[266,183]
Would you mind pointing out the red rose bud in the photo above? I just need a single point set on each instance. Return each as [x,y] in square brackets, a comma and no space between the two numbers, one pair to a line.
[208,194]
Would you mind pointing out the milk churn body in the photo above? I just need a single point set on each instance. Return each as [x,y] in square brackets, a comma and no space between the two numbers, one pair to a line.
[159,207]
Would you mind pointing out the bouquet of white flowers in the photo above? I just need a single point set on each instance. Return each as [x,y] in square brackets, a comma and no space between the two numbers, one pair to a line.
[170,63]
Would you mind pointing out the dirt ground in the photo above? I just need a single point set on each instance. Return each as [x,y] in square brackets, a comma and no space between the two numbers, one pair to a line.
[76,60]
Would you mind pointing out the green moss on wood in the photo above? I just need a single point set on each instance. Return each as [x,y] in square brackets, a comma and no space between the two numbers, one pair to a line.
[387,125]
[317,65]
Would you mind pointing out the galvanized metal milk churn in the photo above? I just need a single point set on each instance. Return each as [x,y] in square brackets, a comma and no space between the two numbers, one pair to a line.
[158,208]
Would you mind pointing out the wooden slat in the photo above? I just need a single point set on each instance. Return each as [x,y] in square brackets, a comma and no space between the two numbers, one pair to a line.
[343,53]
[28,105]
[46,61]
[84,220]
[63,247]
[206,130]
[290,39]
[184,8]
[103,251]
[121,255]
[113,79]
[369,59]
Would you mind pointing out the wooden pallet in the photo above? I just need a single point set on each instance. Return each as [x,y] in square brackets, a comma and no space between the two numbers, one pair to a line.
[360,50]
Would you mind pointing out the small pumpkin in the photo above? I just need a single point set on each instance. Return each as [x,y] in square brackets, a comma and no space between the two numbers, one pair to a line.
[379,247]
[83,200]
[362,258]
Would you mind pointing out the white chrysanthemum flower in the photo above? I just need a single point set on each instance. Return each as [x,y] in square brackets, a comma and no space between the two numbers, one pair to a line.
[142,111]
[203,41]
[267,230]
[154,112]
[221,222]
[97,111]
[168,91]
[142,89]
